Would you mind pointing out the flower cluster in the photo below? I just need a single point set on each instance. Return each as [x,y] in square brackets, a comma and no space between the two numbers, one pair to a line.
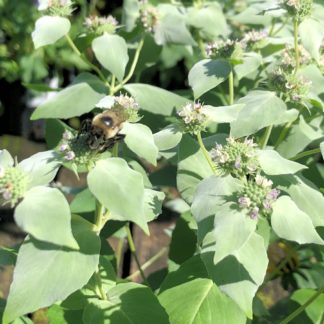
[149,16]
[229,49]
[194,119]
[74,148]
[254,39]
[100,25]
[258,196]
[129,106]
[56,7]
[289,59]
[13,184]
[299,9]
[236,158]
[294,87]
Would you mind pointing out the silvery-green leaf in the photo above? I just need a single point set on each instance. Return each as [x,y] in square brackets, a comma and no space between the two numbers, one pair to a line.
[49,29]
[114,183]
[291,223]
[224,114]
[154,99]
[139,139]
[152,203]
[167,138]
[41,168]
[262,108]
[106,102]
[6,159]
[311,35]
[273,163]
[111,52]
[75,100]
[45,273]
[44,213]
[207,74]
[251,62]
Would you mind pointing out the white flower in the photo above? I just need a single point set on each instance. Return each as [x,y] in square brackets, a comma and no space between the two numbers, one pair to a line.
[70,155]
[244,202]
[263,182]
[43,4]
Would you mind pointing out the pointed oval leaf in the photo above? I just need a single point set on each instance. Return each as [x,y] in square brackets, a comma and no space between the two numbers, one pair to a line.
[153,203]
[299,137]
[209,20]
[224,114]
[311,35]
[49,29]
[251,62]
[239,276]
[154,99]
[167,138]
[262,108]
[6,159]
[45,214]
[207,74]
[114,183]
[41,168]
[236,224]
[46,273]
[128,303]
[75,100]
[139,139]
[172,28]
[192,167]
[205,302]
[111,51]
[273,163]
[291,223]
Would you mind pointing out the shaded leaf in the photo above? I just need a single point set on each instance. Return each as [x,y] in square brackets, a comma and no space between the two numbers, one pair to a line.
[207,74]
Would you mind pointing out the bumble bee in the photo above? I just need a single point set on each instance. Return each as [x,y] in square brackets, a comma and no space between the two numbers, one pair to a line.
[102,132]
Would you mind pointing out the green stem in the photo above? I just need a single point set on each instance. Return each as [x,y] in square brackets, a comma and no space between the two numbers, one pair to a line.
[112,85]
[306,153]
[280,28]
[296,44]
[201,45]
[231,87]
[133,66]
[86,61]
[115,150]
[283,134]
[206,153]
[266,137]
[99,287]
[98,216]
[302,307]
[148,263]
[119,252]
[272,27]
[133,251]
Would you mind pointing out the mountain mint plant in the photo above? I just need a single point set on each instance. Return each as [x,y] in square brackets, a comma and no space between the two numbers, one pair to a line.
[193,109]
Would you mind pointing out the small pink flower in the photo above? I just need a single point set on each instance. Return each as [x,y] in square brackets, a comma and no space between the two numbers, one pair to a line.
[254,213]
[70,155]
[244,202]
[63,147]
[7,195]
[67,135]
[273,194]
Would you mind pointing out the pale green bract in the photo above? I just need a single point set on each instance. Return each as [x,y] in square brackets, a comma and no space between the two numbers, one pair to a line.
[48,30]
